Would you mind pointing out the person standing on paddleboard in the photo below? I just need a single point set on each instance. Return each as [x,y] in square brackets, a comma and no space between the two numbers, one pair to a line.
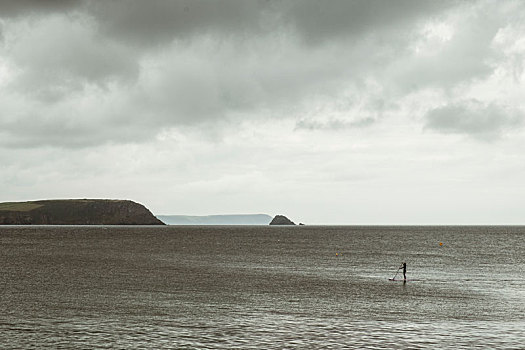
[404,265]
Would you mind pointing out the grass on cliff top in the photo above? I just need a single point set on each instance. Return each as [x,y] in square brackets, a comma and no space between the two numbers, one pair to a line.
[28,206]
[19,206]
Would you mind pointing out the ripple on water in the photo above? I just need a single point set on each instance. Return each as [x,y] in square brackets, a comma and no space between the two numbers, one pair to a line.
[261,288]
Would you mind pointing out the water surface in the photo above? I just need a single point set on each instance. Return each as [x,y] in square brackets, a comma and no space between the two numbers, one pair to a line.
[253,287]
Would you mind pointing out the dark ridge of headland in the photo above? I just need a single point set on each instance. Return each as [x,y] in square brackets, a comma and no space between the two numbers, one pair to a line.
[281,220]
[76,212]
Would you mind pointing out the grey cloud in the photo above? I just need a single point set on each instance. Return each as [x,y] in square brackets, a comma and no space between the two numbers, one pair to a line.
[467,56]
[59,54]
[97,57]
[160,21]
[41,134]
[192,83]
[473,118]
[351,114]
[155,22]
[10,8]
[141,67]
[317,20]
[73,130]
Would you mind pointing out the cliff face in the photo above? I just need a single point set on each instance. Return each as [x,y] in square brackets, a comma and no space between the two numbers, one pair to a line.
[76,212]
[281,220]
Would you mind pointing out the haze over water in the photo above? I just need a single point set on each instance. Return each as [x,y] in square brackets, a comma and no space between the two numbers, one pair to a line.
[250,287]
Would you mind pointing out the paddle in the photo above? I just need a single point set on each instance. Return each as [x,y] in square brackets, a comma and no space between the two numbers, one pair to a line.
[394,278]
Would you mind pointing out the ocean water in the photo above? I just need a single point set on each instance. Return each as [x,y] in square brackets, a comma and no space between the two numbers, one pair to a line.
[254,287]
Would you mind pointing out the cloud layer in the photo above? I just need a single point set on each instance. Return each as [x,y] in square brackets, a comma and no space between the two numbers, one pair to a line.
[165,64]
[474,118]
[247,86]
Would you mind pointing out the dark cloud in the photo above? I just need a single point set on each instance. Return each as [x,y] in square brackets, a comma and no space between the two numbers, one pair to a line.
[10,8]
[467,53]
[141,67]
[57,55]
[147,23]
[317,21]
[474,118]
[160,21]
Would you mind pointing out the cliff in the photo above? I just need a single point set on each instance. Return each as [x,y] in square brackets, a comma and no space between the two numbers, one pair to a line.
[76,212]
[281,220]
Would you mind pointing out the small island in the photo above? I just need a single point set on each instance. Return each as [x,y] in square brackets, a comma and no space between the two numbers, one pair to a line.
[76,212]
[281,220]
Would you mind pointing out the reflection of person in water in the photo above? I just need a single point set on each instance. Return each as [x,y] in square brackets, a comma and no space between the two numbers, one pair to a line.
[404,271]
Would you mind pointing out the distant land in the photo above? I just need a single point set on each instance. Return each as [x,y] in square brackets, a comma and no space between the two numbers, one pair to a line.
[240,219]
[76,212]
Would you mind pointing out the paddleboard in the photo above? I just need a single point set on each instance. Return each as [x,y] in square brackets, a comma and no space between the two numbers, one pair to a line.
[402,280]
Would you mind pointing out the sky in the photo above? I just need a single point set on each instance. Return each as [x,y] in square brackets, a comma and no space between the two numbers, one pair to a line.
[328,112]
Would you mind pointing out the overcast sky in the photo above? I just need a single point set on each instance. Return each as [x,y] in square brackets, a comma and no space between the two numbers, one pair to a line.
[329,112]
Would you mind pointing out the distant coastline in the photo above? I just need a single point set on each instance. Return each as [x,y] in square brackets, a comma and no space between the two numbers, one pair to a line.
[115,212]
[235,219]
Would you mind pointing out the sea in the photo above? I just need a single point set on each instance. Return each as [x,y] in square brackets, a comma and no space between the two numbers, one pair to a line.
[262,287]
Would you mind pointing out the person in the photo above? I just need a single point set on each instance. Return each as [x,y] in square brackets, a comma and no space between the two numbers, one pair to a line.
[404,271]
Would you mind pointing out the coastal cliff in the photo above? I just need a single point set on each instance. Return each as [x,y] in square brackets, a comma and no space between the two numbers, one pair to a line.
[76,212]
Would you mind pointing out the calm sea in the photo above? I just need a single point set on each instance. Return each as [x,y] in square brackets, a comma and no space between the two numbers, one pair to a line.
[250,287]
